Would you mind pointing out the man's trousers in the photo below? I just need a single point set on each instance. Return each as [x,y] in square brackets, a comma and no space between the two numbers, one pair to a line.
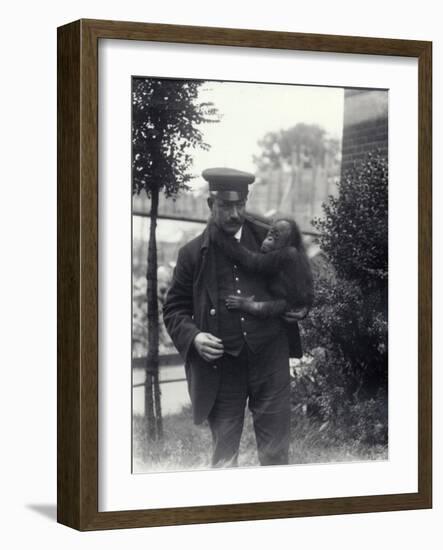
[261,380]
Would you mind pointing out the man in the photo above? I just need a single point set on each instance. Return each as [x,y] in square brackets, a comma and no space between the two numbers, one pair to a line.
[231,358]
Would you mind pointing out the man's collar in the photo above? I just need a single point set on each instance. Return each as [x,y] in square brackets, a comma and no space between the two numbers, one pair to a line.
[205,236]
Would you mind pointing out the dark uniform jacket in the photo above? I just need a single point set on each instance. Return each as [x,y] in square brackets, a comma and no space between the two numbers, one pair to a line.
[191,307]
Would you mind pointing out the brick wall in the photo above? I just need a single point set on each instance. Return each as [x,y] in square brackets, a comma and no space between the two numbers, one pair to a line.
[365,124]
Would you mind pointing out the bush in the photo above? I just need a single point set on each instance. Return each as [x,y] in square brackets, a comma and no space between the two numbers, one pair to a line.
[354,230]
[344,382]
[320,402]
[351,325]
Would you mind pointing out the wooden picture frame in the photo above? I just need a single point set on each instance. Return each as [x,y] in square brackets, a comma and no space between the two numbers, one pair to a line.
[77,455]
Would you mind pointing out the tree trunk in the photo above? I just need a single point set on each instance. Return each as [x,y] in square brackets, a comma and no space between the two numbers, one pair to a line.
[153,413]
[294,176]
[313,189]
[157,406]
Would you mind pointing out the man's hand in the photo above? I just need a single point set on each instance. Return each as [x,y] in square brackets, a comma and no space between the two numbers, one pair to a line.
[295,315]
[208,346]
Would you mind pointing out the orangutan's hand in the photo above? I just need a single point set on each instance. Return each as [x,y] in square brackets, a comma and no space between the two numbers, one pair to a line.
[237,302]
[295,315]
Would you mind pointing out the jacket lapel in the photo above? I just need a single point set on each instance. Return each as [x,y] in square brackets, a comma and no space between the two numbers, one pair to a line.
[208,271]
[248,239]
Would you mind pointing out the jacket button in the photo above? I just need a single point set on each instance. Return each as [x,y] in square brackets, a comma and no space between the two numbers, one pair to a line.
[214,366]
[212,312]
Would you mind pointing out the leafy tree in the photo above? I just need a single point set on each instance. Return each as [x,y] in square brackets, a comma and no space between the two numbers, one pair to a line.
[166,115]
[302,145]
[298,163]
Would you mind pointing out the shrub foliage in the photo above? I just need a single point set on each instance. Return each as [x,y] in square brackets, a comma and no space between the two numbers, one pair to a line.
[344,383]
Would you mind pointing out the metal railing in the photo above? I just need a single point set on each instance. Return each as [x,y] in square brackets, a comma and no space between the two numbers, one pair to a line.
[166,360]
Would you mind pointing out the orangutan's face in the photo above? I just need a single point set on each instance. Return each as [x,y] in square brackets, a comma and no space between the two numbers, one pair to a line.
[278,237]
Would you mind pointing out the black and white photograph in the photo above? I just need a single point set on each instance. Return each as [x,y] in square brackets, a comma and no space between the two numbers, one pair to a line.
[220,290]
[259,274]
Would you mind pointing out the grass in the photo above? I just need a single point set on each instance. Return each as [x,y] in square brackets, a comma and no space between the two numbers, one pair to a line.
[188,447]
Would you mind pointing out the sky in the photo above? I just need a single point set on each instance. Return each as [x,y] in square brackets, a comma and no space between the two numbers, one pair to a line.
[250,110]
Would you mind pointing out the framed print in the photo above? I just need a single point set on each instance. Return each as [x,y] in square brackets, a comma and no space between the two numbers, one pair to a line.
[244,275]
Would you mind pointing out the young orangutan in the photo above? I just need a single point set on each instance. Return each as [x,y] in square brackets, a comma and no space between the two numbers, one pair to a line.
[284,259]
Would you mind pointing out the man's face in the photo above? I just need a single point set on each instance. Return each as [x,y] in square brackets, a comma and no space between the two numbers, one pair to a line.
[228,215]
